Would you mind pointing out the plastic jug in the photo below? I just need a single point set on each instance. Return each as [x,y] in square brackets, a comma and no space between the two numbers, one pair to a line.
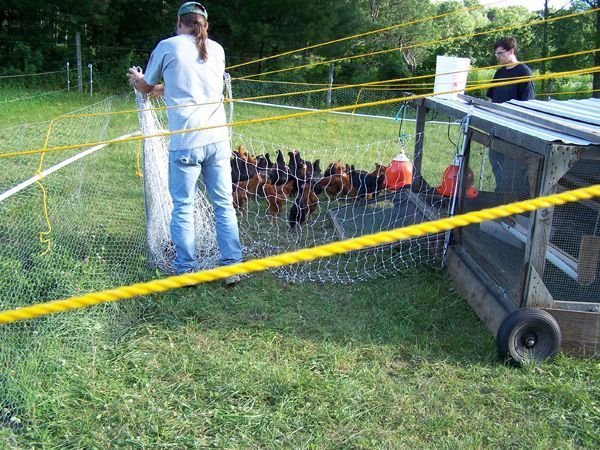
[399,173]
[449,182]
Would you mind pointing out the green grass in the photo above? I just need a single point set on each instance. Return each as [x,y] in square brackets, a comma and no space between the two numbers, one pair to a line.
[39,109]
[401,362]
[321,131]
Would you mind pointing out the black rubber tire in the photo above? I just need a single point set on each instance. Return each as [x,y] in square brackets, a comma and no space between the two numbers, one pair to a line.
[528,335]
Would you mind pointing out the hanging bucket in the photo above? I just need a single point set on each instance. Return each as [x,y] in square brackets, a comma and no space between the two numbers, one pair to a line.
[399,173]
[449,180]
[451,75]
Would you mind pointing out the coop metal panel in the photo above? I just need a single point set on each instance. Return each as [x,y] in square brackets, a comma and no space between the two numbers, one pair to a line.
[510,128]
[558,117]
[524,120]
[548,127]
[586,112]
[590,103]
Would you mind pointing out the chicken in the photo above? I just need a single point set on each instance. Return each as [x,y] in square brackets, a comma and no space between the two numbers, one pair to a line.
[243,165]
[366,184]
[276,195]
[279,173]
[247,189]
[305,203]
[335,168]
[335,186]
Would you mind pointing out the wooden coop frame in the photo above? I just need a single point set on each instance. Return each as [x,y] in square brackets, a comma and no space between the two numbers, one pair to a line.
[548,139]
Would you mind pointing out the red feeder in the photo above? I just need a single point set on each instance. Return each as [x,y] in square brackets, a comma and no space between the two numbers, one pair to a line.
[399,173]
[449,180]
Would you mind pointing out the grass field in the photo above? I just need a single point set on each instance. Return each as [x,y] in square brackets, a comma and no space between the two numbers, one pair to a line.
[400,362]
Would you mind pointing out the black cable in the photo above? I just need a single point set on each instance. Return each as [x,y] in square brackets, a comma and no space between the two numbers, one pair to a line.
[449,138]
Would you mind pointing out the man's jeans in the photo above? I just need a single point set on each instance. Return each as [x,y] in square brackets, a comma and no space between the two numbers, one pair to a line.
[185,166]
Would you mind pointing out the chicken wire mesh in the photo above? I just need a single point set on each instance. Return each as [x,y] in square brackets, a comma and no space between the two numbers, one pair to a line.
[499,245]
[66,223]
[320,96]
[57,219]
[79,228]
[157,200]
[289,198]
[572,270]
[339,194]
[76,228]
[70,225]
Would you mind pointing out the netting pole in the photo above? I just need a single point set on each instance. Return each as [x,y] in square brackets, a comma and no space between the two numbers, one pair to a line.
[462,161]
[229,95]
[91,78]
[330,84]
[79,70]
[419,145]
[68,79]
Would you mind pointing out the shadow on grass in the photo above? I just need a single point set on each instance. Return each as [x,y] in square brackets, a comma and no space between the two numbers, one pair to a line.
[418,312]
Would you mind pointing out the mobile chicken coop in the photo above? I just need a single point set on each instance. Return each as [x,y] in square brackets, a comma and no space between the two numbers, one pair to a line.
[533,279]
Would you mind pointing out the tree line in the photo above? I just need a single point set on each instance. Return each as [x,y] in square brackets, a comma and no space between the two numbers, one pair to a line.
[116,34]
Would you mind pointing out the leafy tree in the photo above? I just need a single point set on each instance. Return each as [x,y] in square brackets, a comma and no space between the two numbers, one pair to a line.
[594,37]
[558,38]
[40,36]
[262,28]
[405,62]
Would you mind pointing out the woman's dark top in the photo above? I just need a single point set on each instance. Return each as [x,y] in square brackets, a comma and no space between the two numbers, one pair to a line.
[518,91]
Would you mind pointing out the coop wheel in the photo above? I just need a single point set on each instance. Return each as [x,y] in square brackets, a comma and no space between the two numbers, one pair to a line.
[528,335]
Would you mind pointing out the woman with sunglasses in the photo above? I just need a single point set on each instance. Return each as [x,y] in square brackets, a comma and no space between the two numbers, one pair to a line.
[505,50]
[510,176]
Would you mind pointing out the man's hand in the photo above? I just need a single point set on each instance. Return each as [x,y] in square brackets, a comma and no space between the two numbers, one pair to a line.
[134,74]
[136,80]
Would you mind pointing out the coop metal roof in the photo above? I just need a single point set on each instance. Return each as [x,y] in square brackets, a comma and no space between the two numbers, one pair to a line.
[533,124]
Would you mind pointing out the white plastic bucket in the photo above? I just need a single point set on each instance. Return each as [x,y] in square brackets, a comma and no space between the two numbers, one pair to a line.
[451,75]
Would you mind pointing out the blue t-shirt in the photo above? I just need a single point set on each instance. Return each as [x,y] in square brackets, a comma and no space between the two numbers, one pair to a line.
[189,80]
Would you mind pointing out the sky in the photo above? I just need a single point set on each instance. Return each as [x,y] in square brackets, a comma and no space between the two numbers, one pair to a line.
[533,5]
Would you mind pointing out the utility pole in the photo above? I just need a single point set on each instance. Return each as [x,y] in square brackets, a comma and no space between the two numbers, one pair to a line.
[596,75]
[545,86]
[79,70]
